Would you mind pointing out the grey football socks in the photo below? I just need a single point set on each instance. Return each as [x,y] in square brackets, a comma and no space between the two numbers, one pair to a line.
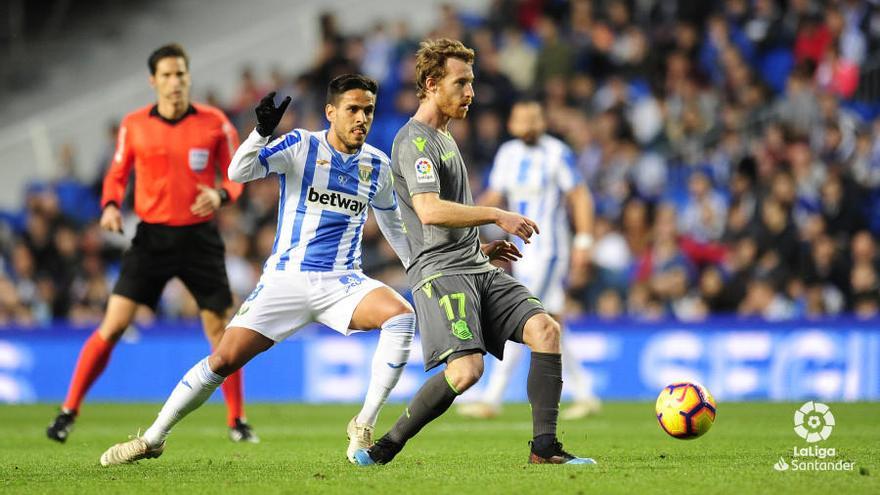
[544,388]
[432,400]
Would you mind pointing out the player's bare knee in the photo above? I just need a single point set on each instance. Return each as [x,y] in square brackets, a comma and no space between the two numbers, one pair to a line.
[463,373]
[111,329]
[224,363]
[399,308]
[542,334]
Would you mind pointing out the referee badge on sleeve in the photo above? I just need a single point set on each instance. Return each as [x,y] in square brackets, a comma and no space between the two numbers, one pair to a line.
[424,171]
[198,159]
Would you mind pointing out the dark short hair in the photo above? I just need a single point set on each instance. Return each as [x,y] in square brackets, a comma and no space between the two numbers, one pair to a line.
[347,82]
[171,50]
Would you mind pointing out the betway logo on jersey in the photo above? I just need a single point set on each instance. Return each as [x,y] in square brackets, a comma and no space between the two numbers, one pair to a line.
[335,201]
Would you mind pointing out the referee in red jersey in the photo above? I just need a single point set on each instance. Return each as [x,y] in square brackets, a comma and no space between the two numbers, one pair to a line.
[178,149]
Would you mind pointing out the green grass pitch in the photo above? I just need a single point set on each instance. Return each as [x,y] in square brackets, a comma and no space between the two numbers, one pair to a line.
[303,451]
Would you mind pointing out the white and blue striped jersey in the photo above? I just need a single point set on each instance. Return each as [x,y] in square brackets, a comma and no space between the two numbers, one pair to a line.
[535,180]
[323,197]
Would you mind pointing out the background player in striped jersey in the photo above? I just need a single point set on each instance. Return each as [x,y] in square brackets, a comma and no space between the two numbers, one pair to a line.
[535,175]
[327,179]
[177,149]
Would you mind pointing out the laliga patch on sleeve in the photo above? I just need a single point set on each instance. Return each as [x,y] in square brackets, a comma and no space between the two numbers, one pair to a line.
[425,171]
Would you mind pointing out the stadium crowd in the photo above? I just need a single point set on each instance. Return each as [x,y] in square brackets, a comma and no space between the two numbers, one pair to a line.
[732,149]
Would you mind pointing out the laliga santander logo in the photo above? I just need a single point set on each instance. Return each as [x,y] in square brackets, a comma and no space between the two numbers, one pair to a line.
[813,422]
[423,166]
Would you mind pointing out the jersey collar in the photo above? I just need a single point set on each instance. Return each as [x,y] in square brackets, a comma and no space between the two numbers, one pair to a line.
[190,110]
[337,155]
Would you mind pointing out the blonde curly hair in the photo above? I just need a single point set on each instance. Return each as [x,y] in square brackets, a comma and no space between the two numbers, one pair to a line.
[431,60]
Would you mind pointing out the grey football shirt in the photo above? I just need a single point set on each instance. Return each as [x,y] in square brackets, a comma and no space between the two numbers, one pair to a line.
[427,160]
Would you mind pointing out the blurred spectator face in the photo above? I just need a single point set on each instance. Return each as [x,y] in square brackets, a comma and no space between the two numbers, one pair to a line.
[828,105]
[814,299]
[823,251]
[863,278]
[744,253]
[666,224]
[699,185]
[92,267]
[527,122]
[783,189]
[867,306]
[799,155]
[863,247]
[171,81]
[832,193]
[814,227]
[718,33]
[711,282]
[555,90]
[773,215]
[65,242]
[834,21]
[738,217]
[760,294]
[8,295]
[686,37]
[91,239]
[603,37]
[635,215]
[581,87]
[547,30]
[677,66]
[832,138]
[22,261]
[618,14]
[609,305]
[351,117]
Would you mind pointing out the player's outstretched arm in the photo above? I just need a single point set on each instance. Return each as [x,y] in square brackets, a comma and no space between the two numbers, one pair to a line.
[245,165]
[435,211]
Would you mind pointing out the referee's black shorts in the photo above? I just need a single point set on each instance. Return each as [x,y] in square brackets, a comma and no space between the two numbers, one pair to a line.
[193,253]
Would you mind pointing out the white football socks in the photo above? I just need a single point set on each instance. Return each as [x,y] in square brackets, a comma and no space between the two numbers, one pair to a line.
[574,376]
[390,358]
[502,373]
[191,392]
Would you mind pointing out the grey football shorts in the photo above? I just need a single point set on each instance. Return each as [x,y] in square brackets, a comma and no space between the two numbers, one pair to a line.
[471,312]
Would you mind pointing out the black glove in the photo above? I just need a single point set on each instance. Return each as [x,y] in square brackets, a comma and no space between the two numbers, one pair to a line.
[268,115]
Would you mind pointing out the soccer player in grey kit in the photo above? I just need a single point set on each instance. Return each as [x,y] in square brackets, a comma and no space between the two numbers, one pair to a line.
[465,306]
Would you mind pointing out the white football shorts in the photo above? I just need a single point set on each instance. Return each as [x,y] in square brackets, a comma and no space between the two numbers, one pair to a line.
[284,302]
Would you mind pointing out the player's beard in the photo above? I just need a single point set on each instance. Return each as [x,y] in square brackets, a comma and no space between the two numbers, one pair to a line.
[454,109]
[350,141]
[530,139]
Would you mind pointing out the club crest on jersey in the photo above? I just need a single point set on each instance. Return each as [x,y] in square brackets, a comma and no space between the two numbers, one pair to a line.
[335,201]
[424,170]
[364,172]
[322,163]
[198,159]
